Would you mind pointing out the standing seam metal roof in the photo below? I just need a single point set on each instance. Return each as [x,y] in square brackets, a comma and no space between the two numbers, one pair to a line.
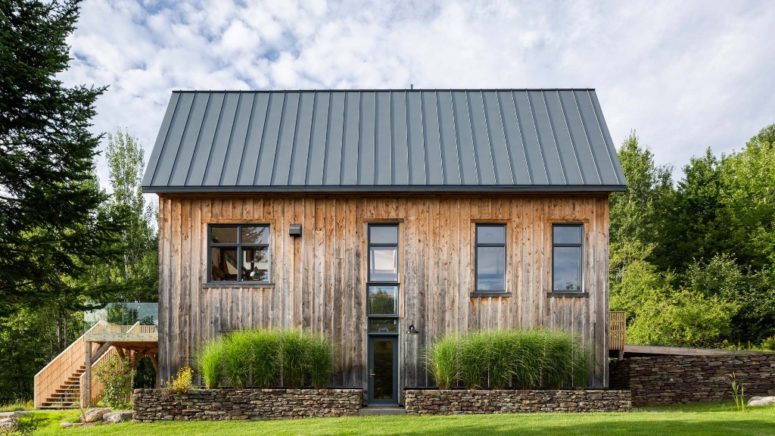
[384,140]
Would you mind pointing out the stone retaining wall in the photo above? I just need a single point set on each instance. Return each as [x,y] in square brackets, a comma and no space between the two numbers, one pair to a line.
[464,401]
[656,380]
[222,404]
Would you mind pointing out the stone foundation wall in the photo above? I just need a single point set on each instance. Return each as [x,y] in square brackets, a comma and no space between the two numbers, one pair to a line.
[464,401]
[223,404]
[656,380]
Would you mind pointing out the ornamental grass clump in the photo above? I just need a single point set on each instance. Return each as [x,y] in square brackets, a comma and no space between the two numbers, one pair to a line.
[515,359]
[267,358]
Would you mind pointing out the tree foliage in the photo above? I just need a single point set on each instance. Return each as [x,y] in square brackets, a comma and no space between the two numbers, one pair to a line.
[134,274]
[692,263]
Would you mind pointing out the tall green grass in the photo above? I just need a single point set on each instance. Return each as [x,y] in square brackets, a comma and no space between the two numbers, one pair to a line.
[267,358]
[509,359]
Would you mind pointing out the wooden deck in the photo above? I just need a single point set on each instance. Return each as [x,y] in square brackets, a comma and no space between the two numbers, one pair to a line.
[68,380]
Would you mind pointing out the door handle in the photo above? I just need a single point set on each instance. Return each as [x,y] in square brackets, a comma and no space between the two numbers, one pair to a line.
[372,374]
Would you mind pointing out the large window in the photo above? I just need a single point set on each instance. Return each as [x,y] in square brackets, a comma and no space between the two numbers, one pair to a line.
[566,257]
[382,289]
[490,258]
[239,253]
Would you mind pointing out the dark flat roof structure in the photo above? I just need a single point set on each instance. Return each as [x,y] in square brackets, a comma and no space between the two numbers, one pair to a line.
[420,140]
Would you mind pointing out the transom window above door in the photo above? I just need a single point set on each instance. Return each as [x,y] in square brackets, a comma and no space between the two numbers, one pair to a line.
[239,253]
[383,253]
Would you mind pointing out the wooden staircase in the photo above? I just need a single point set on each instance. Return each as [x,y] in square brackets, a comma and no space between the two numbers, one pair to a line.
[68,395]
[65,382]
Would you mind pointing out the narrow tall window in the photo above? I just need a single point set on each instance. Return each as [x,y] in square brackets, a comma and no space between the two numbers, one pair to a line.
[382,288]
[566,257]
[239,253]
[490,258]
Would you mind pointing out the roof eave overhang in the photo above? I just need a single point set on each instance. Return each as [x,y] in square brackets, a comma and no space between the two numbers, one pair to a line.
[554,189]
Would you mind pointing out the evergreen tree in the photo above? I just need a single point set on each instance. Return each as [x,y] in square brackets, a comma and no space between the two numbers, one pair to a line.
[50,226]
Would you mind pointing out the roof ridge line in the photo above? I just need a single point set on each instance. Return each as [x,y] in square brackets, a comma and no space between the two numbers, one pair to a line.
[379,89]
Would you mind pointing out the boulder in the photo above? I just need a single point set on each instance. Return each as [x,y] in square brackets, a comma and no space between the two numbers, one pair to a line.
[761,401]
[114,417]
[7,425]
[94,415]
[65,424]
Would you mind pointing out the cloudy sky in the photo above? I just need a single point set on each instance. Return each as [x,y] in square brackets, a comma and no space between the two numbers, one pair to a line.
[685,75]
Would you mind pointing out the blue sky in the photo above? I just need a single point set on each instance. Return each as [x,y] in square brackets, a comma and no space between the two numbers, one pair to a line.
[685,75]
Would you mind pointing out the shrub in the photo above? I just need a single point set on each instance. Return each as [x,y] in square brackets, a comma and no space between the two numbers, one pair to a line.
[182,382]
[267,358]
[518,359]
[115,375]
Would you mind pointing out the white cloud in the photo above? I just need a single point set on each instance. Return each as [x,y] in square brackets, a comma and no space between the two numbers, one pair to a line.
[686,75]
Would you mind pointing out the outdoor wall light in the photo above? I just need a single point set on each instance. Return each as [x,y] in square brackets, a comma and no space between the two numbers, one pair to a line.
[413,330]
[294,230]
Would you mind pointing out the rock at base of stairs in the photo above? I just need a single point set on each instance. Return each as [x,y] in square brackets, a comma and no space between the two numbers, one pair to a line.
[114,417]
[94,415]
[8,425]
[761,401]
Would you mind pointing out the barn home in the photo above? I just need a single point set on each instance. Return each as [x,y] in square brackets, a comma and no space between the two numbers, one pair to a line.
[383,219]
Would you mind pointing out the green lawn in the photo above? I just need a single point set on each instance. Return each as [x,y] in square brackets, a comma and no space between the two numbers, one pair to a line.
[695,419]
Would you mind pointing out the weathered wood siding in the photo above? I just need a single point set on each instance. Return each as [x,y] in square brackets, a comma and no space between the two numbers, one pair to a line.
[319,278]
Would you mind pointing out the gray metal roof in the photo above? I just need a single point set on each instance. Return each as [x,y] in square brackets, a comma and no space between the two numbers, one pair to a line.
[384,140]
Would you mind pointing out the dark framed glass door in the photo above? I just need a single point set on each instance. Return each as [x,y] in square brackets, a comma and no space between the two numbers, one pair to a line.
[382,293]
[383,369]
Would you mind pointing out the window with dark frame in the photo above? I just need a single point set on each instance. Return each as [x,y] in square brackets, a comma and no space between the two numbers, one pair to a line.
[567,257]
[490,258]
[382,286]
[239,253]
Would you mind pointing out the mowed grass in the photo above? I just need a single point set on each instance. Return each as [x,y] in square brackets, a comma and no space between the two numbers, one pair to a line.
[707,419]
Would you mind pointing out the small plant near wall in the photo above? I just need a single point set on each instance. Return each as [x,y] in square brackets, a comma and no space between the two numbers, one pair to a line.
[115,375]
[738,392]
[515,359]
[182,382]
[267,359]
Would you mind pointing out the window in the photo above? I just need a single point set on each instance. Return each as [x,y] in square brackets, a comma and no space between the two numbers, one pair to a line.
[382,289]
[566,257]
[239,253]
[490,258]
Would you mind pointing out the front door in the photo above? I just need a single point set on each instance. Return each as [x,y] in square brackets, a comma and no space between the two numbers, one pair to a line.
[383,370]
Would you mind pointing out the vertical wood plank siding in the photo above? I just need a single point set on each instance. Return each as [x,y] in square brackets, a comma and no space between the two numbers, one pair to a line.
[318,280]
